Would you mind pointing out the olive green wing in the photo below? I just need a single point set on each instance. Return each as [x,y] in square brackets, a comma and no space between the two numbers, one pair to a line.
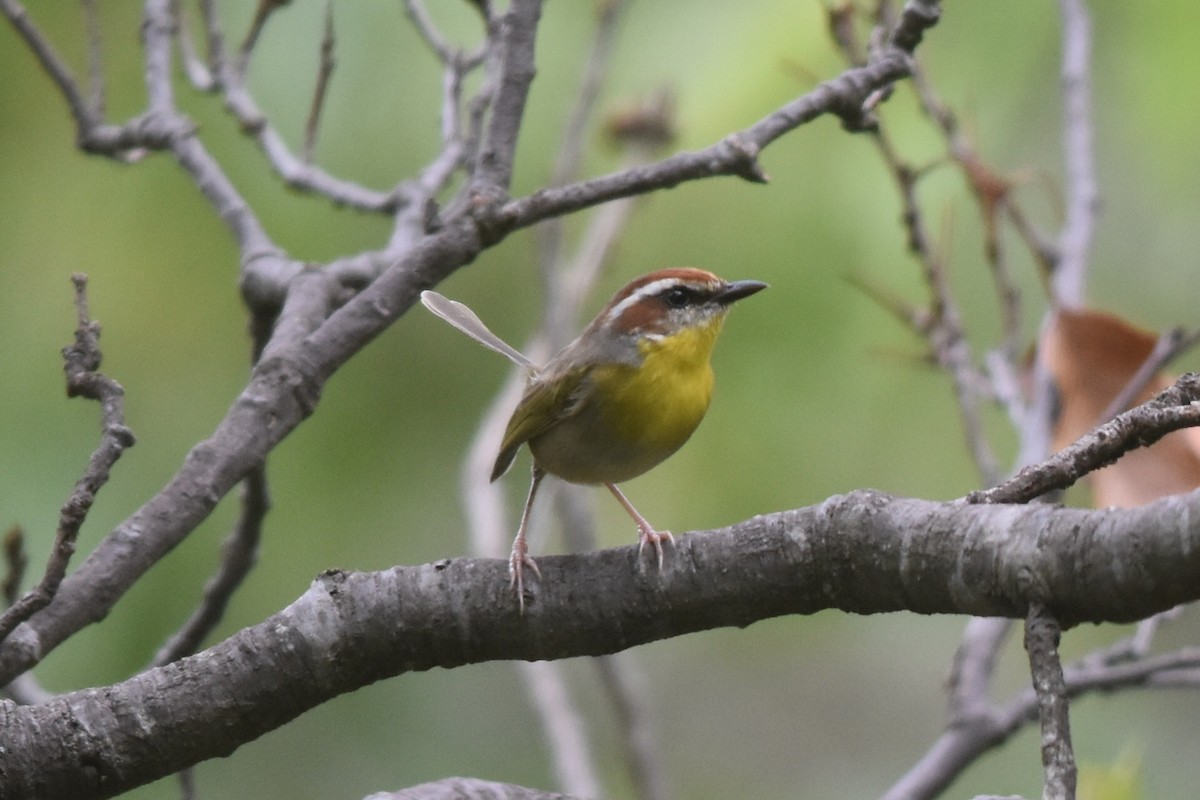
[546,402]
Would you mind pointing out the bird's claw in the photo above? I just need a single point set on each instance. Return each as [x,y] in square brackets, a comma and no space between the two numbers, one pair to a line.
[655,538]
[517,562]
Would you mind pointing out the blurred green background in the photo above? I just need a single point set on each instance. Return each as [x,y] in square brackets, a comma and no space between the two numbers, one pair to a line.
[819,391]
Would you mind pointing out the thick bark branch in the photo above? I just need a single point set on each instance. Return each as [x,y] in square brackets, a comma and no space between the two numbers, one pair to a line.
[864,552]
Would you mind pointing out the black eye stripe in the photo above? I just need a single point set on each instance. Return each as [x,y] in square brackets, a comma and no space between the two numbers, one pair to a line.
[683,296]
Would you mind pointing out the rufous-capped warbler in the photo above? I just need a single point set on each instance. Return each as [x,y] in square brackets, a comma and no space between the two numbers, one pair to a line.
[627,393]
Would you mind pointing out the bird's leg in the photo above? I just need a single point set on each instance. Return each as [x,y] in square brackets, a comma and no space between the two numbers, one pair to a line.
[520,557]
[646,532]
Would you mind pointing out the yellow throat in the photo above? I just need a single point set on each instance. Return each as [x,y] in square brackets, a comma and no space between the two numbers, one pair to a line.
[660,402]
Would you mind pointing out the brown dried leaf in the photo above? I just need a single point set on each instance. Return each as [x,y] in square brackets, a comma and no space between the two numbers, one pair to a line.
[1092,356]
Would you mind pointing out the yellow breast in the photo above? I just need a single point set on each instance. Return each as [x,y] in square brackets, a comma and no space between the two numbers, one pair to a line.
[662,401]
[634,416]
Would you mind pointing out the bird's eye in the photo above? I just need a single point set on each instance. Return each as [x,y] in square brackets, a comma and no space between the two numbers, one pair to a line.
[677,297]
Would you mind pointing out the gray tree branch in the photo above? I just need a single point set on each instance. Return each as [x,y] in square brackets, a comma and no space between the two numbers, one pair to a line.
[864,552]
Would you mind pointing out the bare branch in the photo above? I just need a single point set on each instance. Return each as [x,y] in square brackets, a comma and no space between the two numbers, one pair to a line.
[631,701]
[325,71]
[736,154]
[95,60]
[238,556]
[158,29]
[942,324]
[51,62]
[196,69]
[81,362]
[562,725]
[214,37]
[574,138]
[860,552]
[293,170]
[1058,759]
[1126,663]
[517,29]
[240,443]
[262,13]
[1078,157]
[15,561]
[974,665]
[1169,346]
[428,30]
[1177,407]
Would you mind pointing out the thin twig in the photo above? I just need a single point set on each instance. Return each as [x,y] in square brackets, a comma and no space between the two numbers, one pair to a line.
[1127,663]
[630,699]
[574,137]
[945,332]
[197,70]
[1169,346]
[1177,407]
[81,362]
[262,13]
[51,62]
[214,38]
[238,556]
[941,325]
[96,94]
[158,29]
[429,32]
[1082,196]
[292,169]
[515,53]
[975,663]
[15,561]
[1042,633]
[325,71]
[419,214]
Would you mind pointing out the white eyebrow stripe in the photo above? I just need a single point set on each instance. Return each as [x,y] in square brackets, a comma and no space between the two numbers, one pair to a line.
[650,289]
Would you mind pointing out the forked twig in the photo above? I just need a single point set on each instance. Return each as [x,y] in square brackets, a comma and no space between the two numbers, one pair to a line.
[81,362]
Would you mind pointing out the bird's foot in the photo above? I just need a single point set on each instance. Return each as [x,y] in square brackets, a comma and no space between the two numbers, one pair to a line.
[517,562]
[647,535]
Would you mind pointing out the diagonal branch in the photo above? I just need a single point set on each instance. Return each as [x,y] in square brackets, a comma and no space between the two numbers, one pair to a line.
[52,63]
[517,33]
[238,555]
[1177,407]
[81,362]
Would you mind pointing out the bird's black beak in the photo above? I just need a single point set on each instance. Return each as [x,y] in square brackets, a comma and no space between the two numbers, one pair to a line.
[736,290]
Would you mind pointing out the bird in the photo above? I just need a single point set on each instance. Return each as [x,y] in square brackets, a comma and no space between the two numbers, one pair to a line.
[623,396]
